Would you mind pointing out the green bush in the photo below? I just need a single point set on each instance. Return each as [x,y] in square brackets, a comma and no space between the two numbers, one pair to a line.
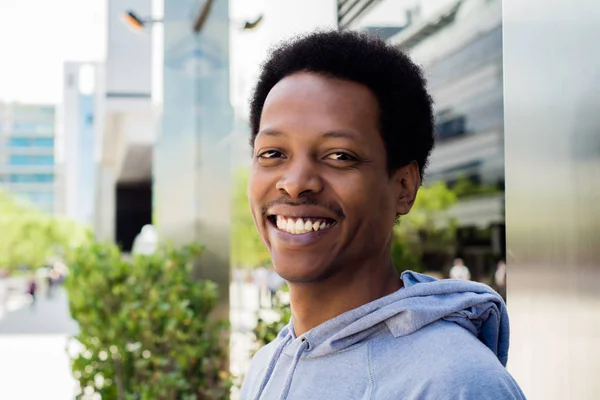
[265,332]
[145,327]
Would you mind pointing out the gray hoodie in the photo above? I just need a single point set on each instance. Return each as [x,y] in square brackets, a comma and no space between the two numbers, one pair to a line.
[432,339]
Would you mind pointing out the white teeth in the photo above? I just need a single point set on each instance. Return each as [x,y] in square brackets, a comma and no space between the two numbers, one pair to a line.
[299,226]
[308,226]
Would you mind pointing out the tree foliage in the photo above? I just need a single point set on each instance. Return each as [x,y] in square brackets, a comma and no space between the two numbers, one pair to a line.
[427,225]
[145,326]
[28,237]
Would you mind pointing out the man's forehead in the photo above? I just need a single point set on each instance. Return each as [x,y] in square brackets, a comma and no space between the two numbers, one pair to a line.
[333,134]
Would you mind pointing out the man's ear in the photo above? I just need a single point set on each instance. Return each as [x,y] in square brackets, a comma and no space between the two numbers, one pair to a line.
[408,181]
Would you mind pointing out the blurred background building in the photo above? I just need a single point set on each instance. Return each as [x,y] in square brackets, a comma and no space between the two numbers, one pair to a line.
[27,154]
[77,135]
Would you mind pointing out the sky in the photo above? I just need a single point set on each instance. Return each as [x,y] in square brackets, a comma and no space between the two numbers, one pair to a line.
[37,37]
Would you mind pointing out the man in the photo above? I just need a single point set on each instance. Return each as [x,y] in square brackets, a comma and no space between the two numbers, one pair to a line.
[342,128]
[460,271]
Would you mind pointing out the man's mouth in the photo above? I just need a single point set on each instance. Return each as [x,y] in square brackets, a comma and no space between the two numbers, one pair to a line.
[300,226]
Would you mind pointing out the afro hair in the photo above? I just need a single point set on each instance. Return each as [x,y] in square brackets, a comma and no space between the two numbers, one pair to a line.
[406,115]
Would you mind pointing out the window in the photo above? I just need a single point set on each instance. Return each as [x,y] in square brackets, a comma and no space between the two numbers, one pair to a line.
[18,159]
[41,198]
[33,127]
[31,142]
[43,142]
[32,178]
[451,127]
[484,50]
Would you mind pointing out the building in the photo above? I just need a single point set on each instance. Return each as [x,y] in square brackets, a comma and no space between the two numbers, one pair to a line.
[27,154]
[125,129]
[459,46]
[460,49]
[77,134]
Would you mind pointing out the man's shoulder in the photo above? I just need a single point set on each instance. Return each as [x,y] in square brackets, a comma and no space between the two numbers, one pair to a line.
[440,358]
[258,364]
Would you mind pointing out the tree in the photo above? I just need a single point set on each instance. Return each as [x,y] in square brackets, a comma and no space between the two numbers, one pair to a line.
[29,237]
[247,249]
[427,225]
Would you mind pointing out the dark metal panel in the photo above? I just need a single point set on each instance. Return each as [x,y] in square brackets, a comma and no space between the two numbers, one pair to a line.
[552,133]
[349,10]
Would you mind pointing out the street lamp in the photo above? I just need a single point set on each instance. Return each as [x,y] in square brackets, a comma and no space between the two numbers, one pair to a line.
[137,23]
[133,21]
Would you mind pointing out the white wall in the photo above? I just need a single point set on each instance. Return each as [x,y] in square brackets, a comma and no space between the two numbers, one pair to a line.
[129,54]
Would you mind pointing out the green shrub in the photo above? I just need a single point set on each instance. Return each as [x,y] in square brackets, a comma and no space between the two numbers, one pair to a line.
[265,332]
[145,327]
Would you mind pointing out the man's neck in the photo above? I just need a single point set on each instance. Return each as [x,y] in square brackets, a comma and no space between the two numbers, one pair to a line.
[314,303]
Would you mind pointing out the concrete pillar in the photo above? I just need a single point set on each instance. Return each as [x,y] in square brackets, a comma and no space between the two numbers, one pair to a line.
[192,157]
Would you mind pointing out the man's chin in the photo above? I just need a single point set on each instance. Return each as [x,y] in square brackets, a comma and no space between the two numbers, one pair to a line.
[298,269]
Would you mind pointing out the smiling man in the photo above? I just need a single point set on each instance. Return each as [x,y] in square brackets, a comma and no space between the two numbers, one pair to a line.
[342,128]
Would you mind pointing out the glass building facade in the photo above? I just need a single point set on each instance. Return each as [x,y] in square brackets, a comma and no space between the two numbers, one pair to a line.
[27,153]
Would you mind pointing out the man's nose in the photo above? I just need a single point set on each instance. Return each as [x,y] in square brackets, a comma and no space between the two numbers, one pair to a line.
[301,176]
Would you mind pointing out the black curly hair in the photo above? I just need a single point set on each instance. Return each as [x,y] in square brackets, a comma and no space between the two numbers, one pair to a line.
[406,115]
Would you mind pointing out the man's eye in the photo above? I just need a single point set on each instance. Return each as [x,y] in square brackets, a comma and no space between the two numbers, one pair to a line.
[340,156]
[270,154]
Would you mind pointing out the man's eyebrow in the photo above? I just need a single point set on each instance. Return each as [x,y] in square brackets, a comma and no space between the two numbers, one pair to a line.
[270,132]
[339,134]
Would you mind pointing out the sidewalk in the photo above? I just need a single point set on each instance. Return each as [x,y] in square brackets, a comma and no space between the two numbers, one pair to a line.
[33,360]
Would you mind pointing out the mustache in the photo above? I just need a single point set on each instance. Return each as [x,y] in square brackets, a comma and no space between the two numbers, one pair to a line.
[304,201]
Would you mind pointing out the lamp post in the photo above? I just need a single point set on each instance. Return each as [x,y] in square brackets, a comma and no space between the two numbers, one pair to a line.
[138,24]
[135,22]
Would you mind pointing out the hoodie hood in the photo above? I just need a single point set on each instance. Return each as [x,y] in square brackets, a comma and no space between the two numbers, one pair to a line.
[421,301]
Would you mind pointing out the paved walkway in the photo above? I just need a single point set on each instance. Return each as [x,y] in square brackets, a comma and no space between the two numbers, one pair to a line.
[33,360]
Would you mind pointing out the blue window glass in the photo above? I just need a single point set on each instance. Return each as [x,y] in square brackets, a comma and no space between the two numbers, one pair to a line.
[19,159]
[31,142]
[44,178]
[40,198]
[31,178]
[33,127]
[43,142]
[20,142]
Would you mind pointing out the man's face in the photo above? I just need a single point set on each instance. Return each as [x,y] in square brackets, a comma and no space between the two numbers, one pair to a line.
[319,191]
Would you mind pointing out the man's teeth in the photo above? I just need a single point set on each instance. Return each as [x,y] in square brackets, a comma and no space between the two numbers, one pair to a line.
[299,225]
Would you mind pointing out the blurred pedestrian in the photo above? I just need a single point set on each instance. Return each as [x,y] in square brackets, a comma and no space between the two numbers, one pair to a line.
[49,282]
[460,271]
[32,289]
[500,279]
[3,291]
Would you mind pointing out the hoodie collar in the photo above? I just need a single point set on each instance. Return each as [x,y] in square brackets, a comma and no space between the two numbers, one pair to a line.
[421,301]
